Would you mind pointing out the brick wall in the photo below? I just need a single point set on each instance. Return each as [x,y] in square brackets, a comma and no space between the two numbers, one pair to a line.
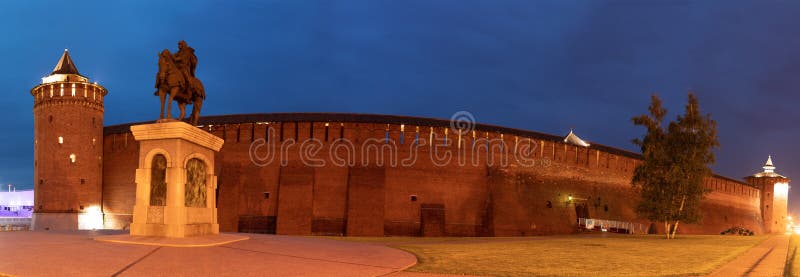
[375,197]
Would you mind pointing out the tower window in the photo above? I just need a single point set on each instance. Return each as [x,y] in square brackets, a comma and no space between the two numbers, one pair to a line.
[51,119]
[72,158]
[83,181]
[326,131]
[60,140]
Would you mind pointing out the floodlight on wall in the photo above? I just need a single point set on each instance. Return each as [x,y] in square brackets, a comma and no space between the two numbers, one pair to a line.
[781,190]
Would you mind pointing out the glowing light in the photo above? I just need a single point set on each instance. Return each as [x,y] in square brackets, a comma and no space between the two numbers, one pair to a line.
[90,219]
[72,158]
[60,140]
[781,190]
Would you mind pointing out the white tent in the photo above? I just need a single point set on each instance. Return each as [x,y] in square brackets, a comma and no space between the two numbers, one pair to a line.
[571,138]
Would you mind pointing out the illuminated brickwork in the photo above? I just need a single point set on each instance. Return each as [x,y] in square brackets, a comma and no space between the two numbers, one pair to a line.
[68,150]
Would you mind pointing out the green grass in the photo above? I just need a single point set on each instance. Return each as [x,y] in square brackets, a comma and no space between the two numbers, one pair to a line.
[793,257]
[618,255]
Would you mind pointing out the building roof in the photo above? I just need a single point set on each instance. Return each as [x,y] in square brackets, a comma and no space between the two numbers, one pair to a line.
[769,170]
[65,65]
[16,198]
[572,138]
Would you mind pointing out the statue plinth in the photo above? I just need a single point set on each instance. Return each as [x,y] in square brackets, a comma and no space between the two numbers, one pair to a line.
[175,181]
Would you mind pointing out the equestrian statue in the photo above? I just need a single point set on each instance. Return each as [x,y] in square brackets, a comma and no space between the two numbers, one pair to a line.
[176,78]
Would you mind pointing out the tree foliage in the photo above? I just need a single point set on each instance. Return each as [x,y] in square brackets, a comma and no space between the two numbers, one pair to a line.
[676,163]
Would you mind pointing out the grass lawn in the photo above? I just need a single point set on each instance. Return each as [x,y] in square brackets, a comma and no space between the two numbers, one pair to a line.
[627,255]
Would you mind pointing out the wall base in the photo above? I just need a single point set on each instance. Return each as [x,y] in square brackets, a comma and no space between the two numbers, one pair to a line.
[54,221]
[117,221]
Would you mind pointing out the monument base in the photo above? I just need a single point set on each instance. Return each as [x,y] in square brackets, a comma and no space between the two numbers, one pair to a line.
[174,230]
[196,241]
[175,181]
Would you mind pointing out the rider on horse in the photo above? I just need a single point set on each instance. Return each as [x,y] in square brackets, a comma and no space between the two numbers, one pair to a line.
[176,79]
[186,62]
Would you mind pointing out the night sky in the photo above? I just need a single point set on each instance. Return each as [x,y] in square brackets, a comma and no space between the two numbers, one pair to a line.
[539,65]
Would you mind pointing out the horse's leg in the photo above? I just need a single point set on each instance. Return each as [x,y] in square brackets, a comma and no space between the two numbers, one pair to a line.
[163,95]
[182,106]
[172,92]
[198,104]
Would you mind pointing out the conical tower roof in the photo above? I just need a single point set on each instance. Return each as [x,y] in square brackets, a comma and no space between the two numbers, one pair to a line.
[65,65]
[769,170]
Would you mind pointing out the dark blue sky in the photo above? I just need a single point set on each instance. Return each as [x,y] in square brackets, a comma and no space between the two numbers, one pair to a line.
[538,65]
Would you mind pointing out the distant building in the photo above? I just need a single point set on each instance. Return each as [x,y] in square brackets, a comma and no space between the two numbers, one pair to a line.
[16,203]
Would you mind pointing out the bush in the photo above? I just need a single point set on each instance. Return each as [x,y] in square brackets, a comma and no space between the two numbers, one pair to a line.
[737,230]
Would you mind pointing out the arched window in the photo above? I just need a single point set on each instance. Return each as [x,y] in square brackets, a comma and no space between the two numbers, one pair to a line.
[158,181]
[195,191]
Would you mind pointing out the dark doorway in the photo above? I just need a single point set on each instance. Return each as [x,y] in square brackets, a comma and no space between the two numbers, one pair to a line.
[581,210]
[432,220]
[257,224]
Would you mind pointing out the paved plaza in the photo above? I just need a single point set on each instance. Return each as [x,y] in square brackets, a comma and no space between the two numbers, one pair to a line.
[79,254]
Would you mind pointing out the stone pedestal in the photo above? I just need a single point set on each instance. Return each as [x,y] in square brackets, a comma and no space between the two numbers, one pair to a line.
[175,181]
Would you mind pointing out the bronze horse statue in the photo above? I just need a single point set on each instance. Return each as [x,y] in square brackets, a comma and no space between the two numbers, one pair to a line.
[180,87]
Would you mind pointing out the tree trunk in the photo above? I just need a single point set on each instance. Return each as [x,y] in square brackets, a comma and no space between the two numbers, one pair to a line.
[675,229]
[666,228]
[680,209]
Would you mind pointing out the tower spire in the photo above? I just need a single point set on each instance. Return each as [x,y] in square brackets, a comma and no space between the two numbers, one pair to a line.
[768,166]
[65,65]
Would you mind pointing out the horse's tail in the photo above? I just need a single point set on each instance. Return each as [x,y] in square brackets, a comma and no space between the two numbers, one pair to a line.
[198,88]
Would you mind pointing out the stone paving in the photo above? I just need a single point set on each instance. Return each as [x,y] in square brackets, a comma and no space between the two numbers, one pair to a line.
[50,253]
[765,259]
[78,253]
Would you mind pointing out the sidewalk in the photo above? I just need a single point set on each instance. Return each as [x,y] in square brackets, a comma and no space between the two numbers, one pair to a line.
[765,259]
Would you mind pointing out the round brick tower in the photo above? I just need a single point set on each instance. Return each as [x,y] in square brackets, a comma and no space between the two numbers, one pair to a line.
[68,150]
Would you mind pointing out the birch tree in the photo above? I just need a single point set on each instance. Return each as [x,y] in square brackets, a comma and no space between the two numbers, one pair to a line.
[676,163]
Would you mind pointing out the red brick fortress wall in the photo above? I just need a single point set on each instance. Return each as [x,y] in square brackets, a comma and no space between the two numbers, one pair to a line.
[338,175]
